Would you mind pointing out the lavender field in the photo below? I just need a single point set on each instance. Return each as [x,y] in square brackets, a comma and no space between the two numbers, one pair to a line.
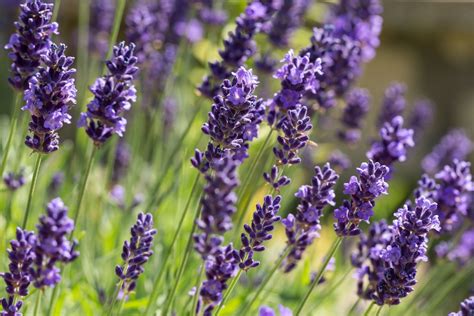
[234,157]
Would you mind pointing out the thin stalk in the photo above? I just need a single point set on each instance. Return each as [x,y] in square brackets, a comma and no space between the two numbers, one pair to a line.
[379,311]
[353,308]
[116,27]
[198,288]
[187,252]
[114,298]
[14,121]
[122,303]
[229,291]
[321,271]
[154,292]
[266,280]
[32,189]
[37,303]
[57,5]
[332,288]
[82,189]
[53,300]
[367,312]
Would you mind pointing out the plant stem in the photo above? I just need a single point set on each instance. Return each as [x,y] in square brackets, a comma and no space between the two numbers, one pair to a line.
[82,189]
[13,123]
[379,311]
[198,288]
[321,271]
[37,304]
[115,28]
[57,5]
[353,308]
[266,280]
[367,312]
[229,291]
[187,252]
[32,189]
[166,256]
[53,300]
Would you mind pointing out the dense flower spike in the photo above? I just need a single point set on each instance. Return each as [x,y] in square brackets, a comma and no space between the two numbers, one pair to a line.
[463,252]
[101,20]
[50,94]
[114,94]
[357,106]
[394,143]
[407,246]
[363,191]
[454,145]
[31,41]
[18,279]
[240,45]
[361,20]
[218,206]
[220,267]
[303,228]
[275,179]
[394,103]
[421,116]
[52,245]
[135,253]
[259,231]
[341,64]
[467,308]
[14,181]
[234,118]
[210,15]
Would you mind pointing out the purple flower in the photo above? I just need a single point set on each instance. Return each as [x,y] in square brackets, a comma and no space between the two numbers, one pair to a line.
[210,15]
[52,245]
[454,145]
[394,103]
[114,94]
[121,161]
[363,191]
[101,19]
[18,279]
[56,183]
[50,94]
[360,20]
[267,311]
[135,253]
[339,161]
[31,41]
[357,106]
[394,143]
[259,231]
[421,116]
[467,308]
[463,252]
[14,181]
[304,227]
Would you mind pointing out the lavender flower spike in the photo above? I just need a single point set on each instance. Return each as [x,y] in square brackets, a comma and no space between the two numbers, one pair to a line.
[49,96]
[135,253]
[259,231]
[303,228]
[394,103]
[357,106]
[467,308]
[114,94]
[363,192]
[52,245]
[30,42]
[14,181]
[18,278]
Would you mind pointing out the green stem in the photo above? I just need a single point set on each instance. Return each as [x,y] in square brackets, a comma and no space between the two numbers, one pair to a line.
[229,291]
[321,271]
[154,292]
[353,308]
[187,252]
[367,312]
[379,311]
[53,300]
[13,123]
[37,304]
[116,27]
[114,299]
[266,280]
[32,189]
[198,288]
[57,5]
[82,189]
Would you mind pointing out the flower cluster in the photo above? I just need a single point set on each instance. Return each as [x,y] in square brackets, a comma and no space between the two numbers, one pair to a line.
[135,253]
[361,20]
[363,191]
[52,245]
[339,161]
[394,103]
[218,206]
[210,15]
[18,279]
[421,116]
[14,181]
[394,143]
[101,19]
[31,41]
[267,311]
[240,45]
[467,308]
[454,145]
[49,96]
[463,252]
[234,117]
[303,228]
[114,94]
[341,64]
[259,231]
[357,106]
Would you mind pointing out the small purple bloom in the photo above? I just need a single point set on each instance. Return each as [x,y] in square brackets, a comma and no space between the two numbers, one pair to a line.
[394,103]
[357,106]
[14,181]
[467,308]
